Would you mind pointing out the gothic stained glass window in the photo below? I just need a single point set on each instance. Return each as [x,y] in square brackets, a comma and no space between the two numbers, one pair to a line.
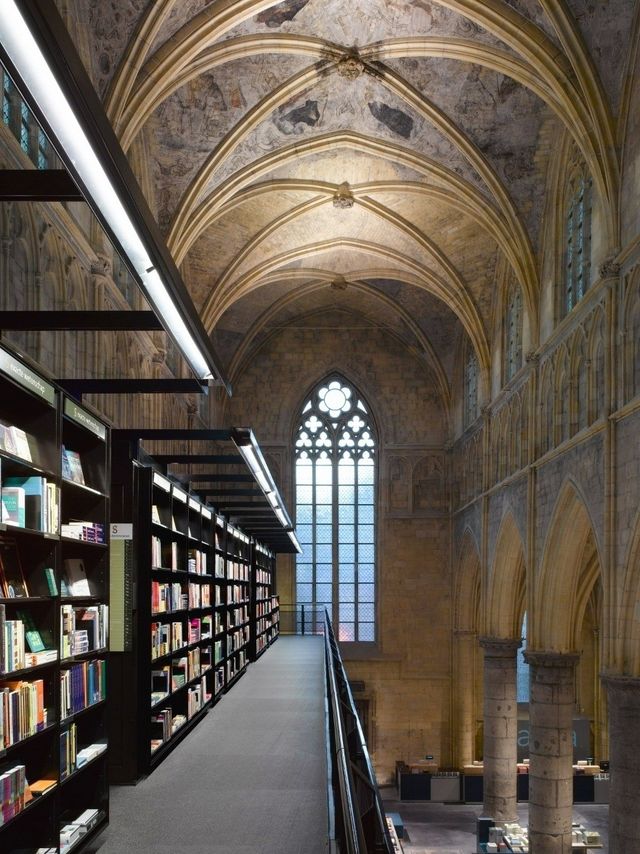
[513,330]
[577,241]
[335,448]
[470,388]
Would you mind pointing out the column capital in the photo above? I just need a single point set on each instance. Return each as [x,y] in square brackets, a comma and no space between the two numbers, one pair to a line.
[549,658]
[500,647]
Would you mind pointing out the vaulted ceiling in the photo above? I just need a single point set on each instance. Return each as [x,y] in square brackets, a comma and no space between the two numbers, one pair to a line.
[375,159]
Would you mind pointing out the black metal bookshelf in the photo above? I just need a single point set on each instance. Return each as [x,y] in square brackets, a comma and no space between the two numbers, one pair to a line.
[265,607]
[52,688]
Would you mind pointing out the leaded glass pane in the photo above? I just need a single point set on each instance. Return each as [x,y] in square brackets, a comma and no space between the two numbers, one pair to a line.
[346,471]
[346,534]
[324,553]
[304,514]
[346,632]
[346,494]
[346,572]
[366,592]
[365,612]
[346,612]
[323,533]
[347,552]
[323,495]
[323,472]
[366,632]
[305,533]
[347,513]
[324,574]
[347,592]
[324,514]
[304,573]
[365,533]
[304,593]
[366,553]
[304,494]
[366,572]
[304,472]
[365,472]
[323,592]
[365,514]
[365,494]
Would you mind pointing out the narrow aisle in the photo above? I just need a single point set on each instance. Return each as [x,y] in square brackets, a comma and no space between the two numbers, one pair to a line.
[250,779]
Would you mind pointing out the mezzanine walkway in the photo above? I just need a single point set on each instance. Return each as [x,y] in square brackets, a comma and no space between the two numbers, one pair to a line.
[250,779]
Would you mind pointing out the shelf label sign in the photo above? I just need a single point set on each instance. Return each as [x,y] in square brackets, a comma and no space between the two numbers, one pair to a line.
[121,531]
[27,378]
[81,416]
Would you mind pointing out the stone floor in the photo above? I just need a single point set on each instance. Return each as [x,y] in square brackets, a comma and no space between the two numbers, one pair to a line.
[433,828]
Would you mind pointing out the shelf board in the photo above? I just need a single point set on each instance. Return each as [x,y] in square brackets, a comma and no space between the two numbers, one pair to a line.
[88,837]
[29,532]
[165,529]
[168,569]
[28,671]
[170,654]
[83,487]
[156,614]
[41,470]
[177,736]
[83,543]
[84,711]
[25,600]
[30,806]
[68,600]
[82,656]
[5,751]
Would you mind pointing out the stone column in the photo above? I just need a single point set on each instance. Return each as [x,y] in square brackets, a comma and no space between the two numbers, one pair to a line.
[466,646]
[551,708]
[500,728]
[624,744]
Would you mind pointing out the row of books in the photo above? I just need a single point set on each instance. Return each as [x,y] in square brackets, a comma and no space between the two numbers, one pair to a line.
[81,686]
[22,644]
[219,623]
[83,630]
[85,530]
[237,594]
[197,698]
[72,759]
[262,576]
[13,792]
[167,598]
[14,440]
[199,595]
[163,725]
[218,680]
[166,638]
[31,502]
[199,629]
[164,555]
[238,616]
[197,561]
[237,639]
[22,711]
[72,832]
[237,571]
[235,664]
[219,566]
[263,624]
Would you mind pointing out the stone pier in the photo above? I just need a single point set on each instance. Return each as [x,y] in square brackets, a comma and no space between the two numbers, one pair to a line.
[624,740]
[551,709]
[500,728]
[466,646]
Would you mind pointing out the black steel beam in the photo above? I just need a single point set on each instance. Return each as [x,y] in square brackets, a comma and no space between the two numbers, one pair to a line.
[212,477]
[48,29]
[38,185]
[229,493]
[197,459]
[90,321]
[162,434]
[77,388]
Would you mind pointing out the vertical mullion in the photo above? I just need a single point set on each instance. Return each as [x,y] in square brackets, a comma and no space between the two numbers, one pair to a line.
[335,531]
[314,511]
[356,548]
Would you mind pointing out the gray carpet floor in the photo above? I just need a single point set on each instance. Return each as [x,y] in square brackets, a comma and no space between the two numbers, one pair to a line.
[251,777]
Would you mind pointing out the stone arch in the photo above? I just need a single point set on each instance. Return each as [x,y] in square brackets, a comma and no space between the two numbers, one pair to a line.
[628,652]
[505,604]
[468,661]
[569,569]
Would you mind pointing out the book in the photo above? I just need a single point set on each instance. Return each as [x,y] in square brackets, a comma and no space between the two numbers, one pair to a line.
[13,580]
[31,633]
[21,443]
[39,787]
[13,506]
[73,466]
[76,577]
[50,577]
[35,500]
[6,440]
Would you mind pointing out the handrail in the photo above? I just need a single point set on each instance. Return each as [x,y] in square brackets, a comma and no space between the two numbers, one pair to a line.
[360,820]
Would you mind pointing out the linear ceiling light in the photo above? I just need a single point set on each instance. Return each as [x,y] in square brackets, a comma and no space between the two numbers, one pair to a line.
[246,443]
[294,541]
[33,68]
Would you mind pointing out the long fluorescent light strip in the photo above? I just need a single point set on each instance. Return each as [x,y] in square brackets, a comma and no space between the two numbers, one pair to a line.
[34,70]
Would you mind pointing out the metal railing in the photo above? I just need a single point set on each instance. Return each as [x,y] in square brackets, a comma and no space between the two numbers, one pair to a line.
[301,620]
[357,822]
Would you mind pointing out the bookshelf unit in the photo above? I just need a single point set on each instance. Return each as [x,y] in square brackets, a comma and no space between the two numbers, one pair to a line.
[53,611]
[239,626]
[265,608]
